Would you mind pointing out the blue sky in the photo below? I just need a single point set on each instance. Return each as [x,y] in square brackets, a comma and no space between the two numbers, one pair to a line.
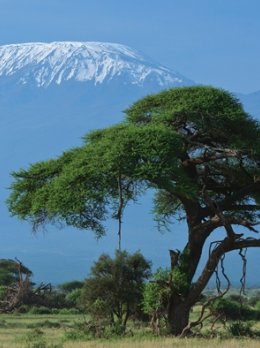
[212,42]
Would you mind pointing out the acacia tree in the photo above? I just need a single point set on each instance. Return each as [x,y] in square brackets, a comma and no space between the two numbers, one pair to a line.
[195,147]
[113,291]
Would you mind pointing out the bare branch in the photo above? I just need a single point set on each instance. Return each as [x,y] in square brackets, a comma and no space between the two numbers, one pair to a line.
[215,208]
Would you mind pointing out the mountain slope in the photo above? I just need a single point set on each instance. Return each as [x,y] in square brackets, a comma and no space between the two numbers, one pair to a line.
[45,64]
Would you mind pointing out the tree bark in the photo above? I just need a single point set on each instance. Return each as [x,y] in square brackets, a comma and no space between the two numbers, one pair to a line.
[180,304]
[178,315]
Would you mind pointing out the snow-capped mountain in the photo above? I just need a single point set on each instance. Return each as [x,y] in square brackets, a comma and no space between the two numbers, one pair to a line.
[54,63]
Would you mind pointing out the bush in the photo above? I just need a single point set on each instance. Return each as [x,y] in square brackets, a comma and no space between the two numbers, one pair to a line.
[44,324]
[237,298]
[254,299]
[40,310]
[23,309]
[155,299]
[55,299]
[68,311]
[257,305]
[114,291]
[72,299]
[77,335]
[240,329]
[3,292]
[70,286]
[231,309]
[156,292]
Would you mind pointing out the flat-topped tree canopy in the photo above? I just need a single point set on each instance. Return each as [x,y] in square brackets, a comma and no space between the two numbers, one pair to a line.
[81,186]
[209,114]
[221,142]
[195,147]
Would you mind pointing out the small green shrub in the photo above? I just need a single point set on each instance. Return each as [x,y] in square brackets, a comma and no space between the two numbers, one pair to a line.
[36,339]
[43,344]
[231,310]
[70,286]
[3,292]
[34,335]
[40,310]
[2,323]
[47,323]
[254,299]
[257,305]
[237,298]
[239,328]
[155,299]
[23,309]
[77,335]
[72,299]
[114,330]
[55,311]
[67,311]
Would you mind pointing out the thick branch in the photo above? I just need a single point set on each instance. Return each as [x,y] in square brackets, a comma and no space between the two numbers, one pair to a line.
[225,246]
[242,222]
[215,208]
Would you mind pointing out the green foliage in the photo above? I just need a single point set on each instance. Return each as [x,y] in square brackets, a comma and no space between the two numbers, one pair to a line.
[44,324]
[70,286]
[240,328]
[257,305]
[213,111]
[80,188]
[71,293]
[156,294]
[92,171]
[237,298]
[10,271]
[181,278]
[77,335]
[3,292]
[231,309]
[72,299]
[254,299]
[53,299]
[114,289]
[39,310]
[67,311]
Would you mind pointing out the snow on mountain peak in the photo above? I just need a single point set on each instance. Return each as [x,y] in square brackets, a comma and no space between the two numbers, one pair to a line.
[53,63]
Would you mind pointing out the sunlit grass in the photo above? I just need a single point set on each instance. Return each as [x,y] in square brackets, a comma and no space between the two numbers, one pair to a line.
[167,342]
[26,331]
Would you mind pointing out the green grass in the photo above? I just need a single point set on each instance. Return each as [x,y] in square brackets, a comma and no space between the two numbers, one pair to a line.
[50,331]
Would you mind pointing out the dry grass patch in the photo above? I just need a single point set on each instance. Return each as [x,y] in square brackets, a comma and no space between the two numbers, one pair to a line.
[167,343]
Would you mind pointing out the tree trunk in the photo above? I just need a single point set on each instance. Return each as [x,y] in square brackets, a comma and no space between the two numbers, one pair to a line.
[178,315]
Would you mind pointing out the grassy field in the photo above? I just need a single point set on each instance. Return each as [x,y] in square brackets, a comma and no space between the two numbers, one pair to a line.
[56,331]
